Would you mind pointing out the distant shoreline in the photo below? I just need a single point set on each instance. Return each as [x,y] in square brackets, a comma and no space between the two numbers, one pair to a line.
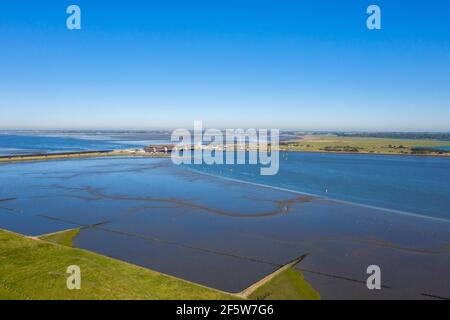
[122,153]
[359,145]
[370,153]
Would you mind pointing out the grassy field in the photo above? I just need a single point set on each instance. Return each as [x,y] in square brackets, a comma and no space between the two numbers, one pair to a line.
[288,285]
[364,145]
[36,269]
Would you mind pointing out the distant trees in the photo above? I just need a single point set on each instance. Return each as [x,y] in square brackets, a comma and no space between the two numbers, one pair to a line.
[340,149]
[397,135]
[424,150]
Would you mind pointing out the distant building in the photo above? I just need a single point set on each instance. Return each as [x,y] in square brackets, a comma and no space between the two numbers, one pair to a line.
[159,148]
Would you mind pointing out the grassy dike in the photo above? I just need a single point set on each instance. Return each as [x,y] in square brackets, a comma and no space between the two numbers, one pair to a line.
[288,285]
[64,238]
[78,155]
[36,269]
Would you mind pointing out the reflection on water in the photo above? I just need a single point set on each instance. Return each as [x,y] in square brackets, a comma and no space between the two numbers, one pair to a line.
[223,233]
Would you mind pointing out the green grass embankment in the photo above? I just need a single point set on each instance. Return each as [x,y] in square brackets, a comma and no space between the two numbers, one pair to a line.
[36,269]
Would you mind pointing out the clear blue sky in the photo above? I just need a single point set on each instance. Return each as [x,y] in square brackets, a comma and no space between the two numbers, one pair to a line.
[276,64]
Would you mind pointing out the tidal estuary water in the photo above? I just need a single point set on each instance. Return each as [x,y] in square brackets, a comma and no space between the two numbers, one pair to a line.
[227,227]
[406,184]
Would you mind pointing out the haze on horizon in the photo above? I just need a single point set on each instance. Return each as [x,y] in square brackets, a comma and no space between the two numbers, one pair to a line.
[308,65]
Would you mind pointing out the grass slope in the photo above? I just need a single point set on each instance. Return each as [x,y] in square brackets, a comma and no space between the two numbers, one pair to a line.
[36,269]
[288,285]
[64,238]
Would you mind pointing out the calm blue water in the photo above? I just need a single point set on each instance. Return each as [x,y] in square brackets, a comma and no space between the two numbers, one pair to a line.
[11,144]
[413,184]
